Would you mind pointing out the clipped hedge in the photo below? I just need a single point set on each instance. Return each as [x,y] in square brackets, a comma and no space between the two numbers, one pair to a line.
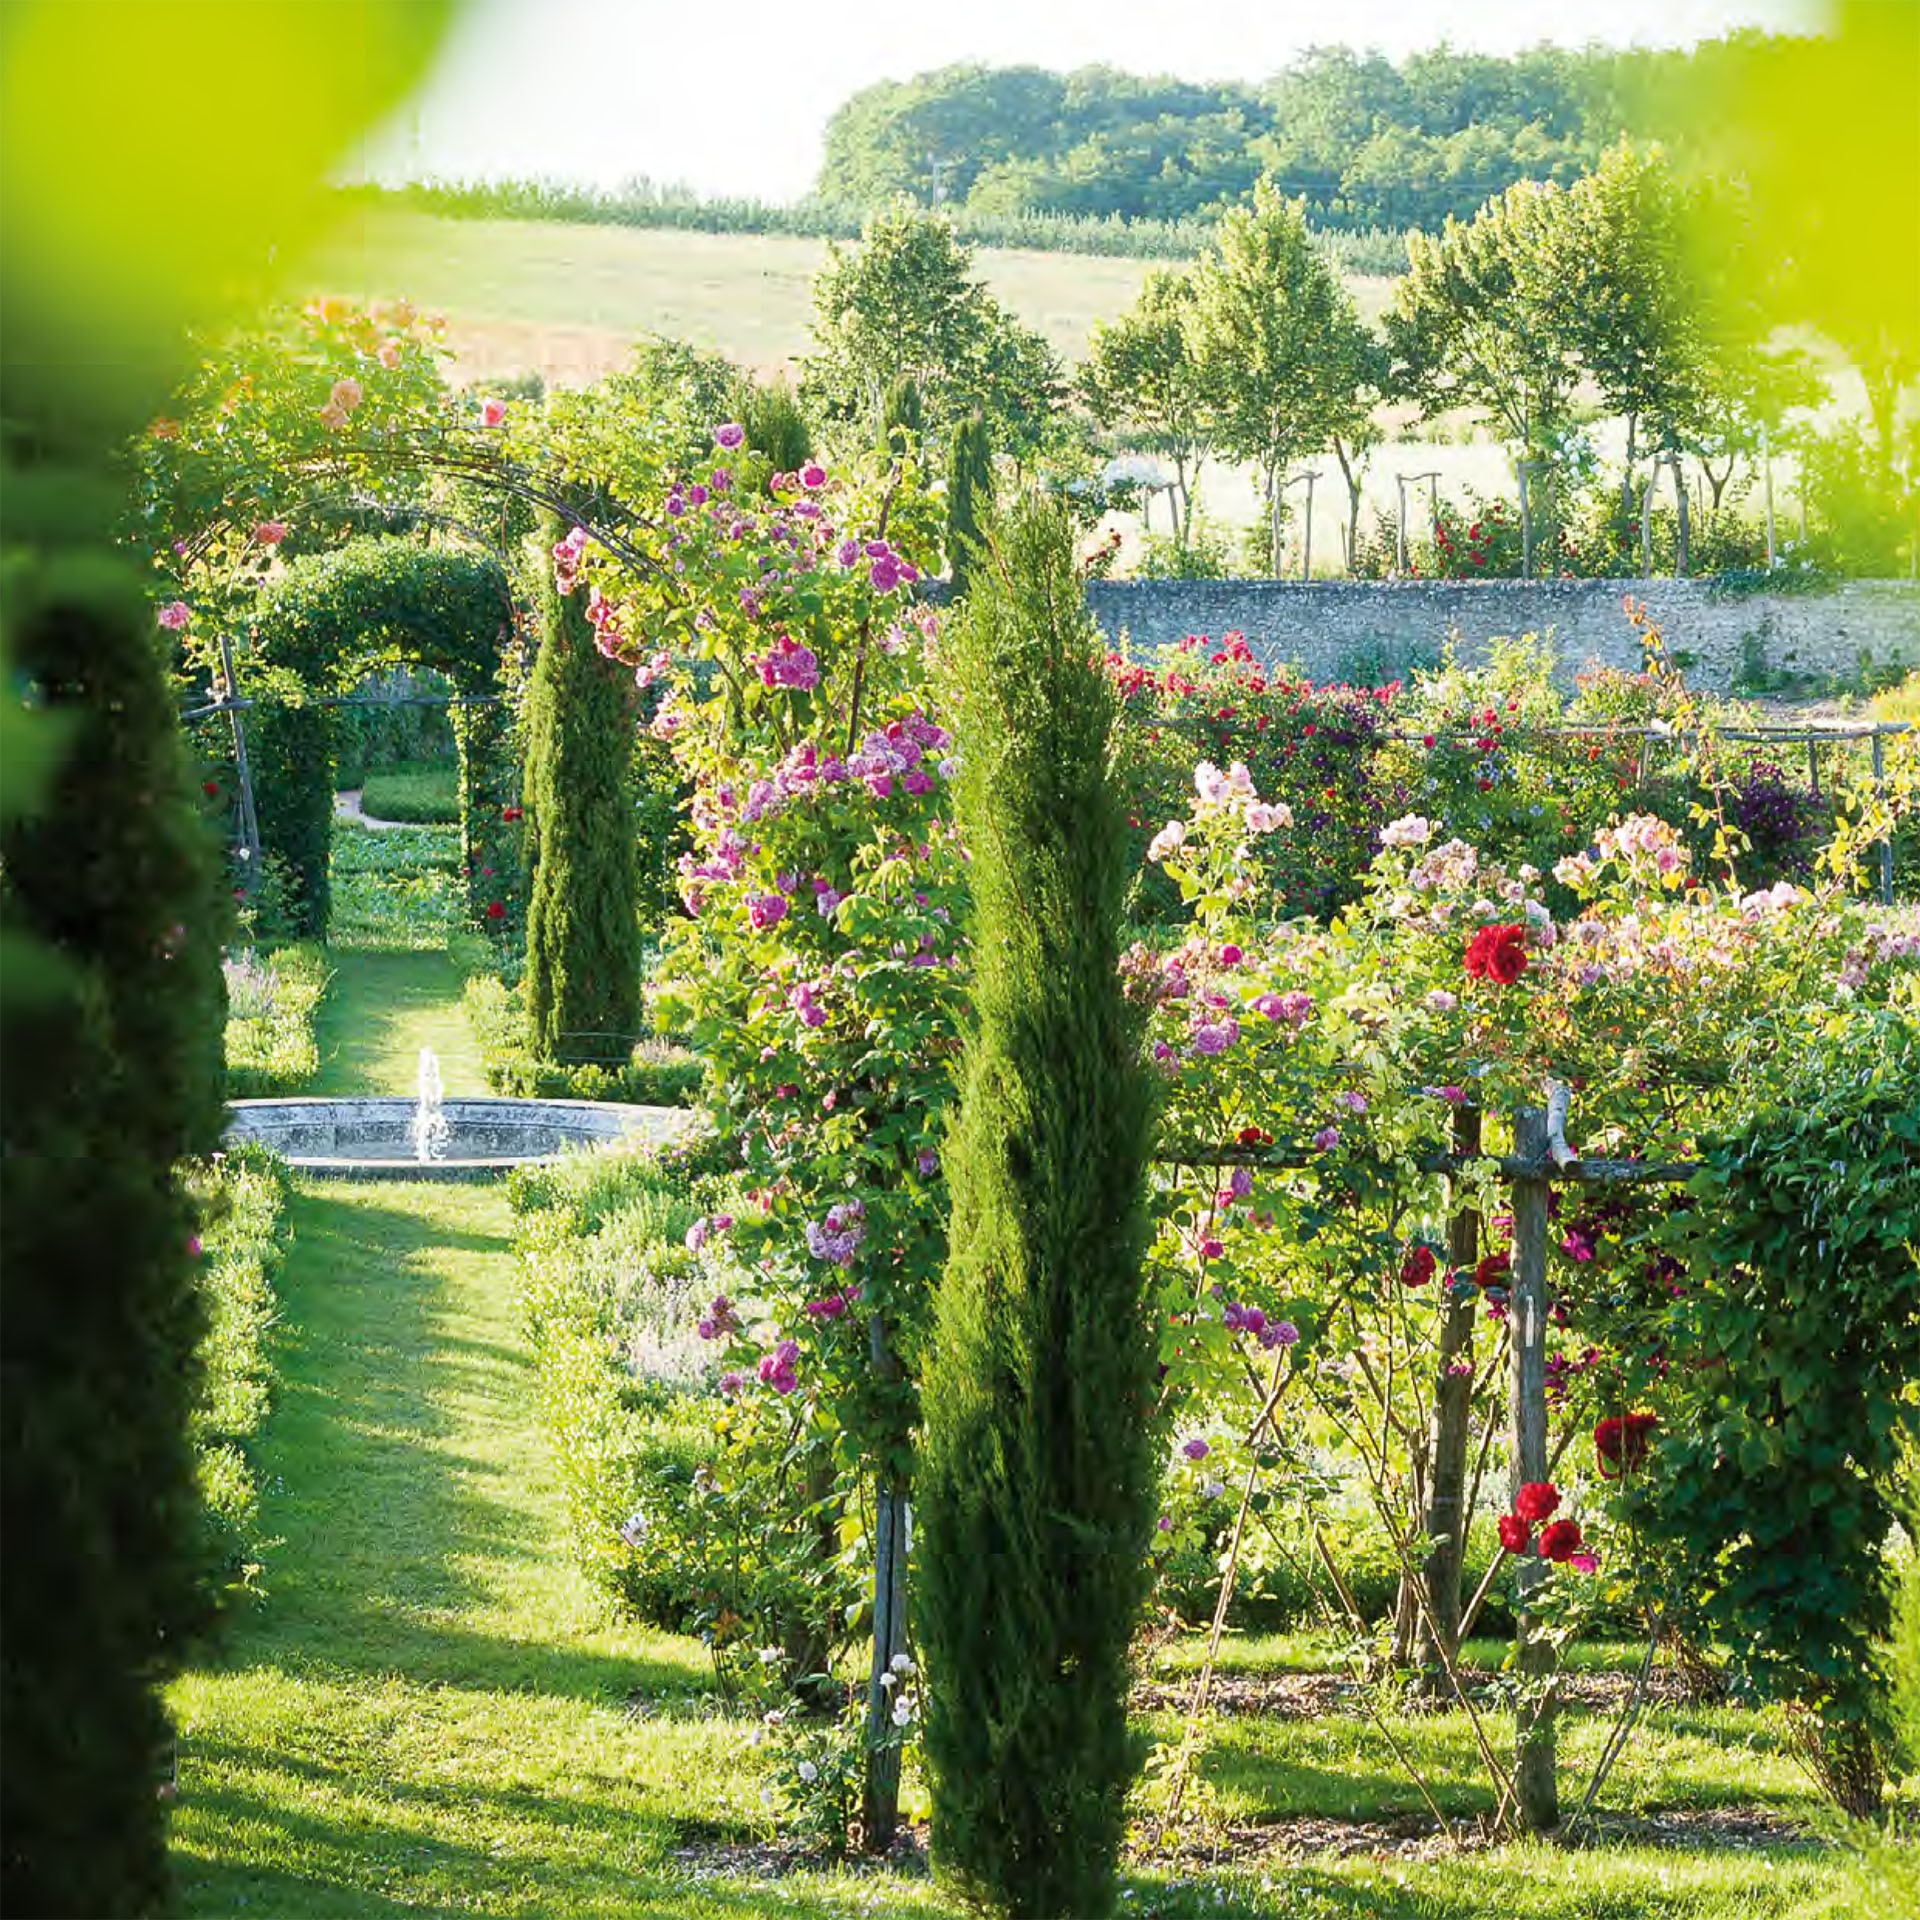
[420,794]
[242,1197]
[656,1073]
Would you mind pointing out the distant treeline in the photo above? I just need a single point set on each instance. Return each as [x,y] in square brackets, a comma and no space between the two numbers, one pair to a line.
[644,204]
[1370,145]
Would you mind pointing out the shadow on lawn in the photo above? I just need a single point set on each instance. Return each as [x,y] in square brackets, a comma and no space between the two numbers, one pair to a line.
[399,1485]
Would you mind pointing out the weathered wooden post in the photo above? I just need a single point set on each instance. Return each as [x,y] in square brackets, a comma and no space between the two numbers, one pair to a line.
[1450,1430]
[1886,845]
[1534,1783]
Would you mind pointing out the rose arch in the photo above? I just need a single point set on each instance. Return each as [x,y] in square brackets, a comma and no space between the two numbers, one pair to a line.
[326,622]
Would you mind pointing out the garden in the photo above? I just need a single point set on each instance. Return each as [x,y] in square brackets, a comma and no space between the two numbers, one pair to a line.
[1226,1293]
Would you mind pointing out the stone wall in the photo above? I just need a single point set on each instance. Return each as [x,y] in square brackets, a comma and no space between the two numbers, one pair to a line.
[1369,630]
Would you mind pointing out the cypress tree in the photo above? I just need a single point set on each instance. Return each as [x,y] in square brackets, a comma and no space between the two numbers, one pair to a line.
[111,1022]
[1035,1487]
[902,416]
[969,495]
[777,426]
[583,926]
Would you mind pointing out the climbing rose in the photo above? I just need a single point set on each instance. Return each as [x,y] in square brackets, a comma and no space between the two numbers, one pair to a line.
[269,533]
[1196,1449]
[1494,1271]
[1560,1541]
[1168,840]
[1418,1267]
[776,1368]
[1498,954]
[765,910]
[1536,1500]
[345,395]
[1514,1533]
[174,615]
[1621,1443]
[496,910]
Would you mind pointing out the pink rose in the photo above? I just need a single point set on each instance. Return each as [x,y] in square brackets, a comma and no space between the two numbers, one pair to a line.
[493,413]
[346,395]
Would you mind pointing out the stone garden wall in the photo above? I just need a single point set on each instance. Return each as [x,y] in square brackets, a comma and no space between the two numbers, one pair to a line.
[1371,630]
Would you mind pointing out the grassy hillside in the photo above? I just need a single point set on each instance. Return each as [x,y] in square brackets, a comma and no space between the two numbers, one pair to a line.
[565,301]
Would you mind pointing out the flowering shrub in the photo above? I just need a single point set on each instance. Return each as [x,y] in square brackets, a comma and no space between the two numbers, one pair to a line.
[1308,748]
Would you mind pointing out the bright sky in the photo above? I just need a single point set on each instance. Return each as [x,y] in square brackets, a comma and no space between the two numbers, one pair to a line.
[730,96]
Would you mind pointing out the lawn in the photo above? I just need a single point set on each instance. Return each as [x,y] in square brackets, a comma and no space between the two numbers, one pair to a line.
[423,793]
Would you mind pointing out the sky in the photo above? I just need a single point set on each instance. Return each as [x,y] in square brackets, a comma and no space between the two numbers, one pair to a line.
[731,96]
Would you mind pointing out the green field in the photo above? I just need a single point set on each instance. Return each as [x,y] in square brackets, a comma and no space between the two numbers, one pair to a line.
[565,301]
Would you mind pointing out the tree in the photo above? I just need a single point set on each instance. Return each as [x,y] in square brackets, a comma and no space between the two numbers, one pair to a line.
[109,909]
[1140,375]
[905,304]
[1479,320]
[969,497]
[1265,305]
[583,928]
[1036,1482]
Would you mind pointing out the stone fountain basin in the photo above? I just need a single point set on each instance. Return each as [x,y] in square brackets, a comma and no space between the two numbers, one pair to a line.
[370,1138]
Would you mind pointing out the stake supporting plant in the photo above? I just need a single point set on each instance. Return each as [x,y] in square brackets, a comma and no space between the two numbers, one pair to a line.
[1534,1783]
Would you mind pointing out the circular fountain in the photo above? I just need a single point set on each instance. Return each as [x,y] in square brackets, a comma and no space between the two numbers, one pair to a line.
[433,1137]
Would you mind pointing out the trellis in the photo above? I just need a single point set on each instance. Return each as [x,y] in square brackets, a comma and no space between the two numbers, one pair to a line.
[1541,1158]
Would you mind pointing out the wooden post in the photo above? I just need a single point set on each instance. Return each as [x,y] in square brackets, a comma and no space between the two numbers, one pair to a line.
[1886,845]
[1534,1782]
[1450,1431]
[249,819]
[880,1794]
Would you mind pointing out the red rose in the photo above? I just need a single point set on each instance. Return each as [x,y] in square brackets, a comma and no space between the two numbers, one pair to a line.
[1494,1271]
[1536,1500]
[495,910]
[1418,1267]
[509,813]
[1560,1541]
[1515,1534]
[211,788]
[1622,1443]
[1498,954]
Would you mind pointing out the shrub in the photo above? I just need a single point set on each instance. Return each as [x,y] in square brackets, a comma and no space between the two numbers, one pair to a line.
[112,1048]
[1035,1483]
[416,795]
[271,1002]
[242,1196]
[656,1073]
[583,930]
[1802,1309]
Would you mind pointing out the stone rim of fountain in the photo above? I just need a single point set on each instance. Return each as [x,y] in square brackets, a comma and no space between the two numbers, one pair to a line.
[308,1131]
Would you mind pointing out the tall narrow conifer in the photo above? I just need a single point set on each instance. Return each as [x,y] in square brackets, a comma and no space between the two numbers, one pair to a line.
[969,495]
[1034,1492]
[583,928]
[110,1026]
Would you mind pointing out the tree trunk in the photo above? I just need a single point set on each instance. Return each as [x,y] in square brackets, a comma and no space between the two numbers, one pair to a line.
[1273,517]
[1450,1434]
[1680,514]
[1534,1782]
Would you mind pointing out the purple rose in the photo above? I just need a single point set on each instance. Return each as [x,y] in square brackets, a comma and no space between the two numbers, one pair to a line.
[765,910]
[730,435]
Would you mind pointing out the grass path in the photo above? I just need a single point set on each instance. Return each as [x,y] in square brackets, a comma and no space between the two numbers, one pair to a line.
[381,1009]
[426,1710]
